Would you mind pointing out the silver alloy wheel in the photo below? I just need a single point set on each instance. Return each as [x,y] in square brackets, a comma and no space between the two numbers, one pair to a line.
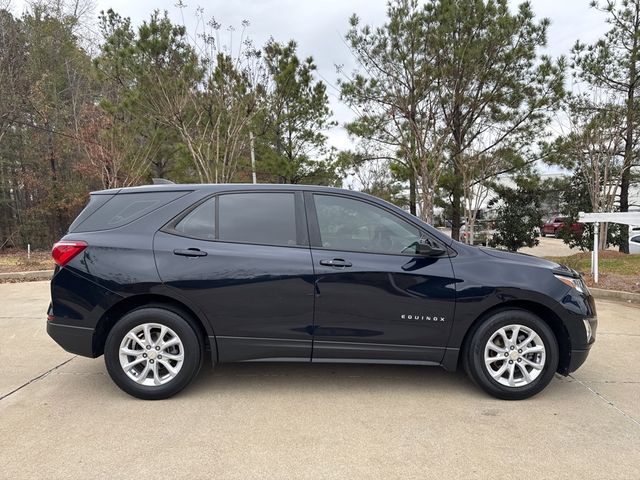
[151,354]
[515,355]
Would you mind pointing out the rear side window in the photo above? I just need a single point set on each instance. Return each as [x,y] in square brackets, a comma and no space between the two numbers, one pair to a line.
[636,239]
[95,202]
[264,218]
[124,208]
[200,222]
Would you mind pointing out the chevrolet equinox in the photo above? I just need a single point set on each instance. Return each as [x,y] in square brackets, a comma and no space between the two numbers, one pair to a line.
[157,278]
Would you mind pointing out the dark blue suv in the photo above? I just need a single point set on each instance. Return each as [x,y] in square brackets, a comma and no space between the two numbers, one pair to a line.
[159,277]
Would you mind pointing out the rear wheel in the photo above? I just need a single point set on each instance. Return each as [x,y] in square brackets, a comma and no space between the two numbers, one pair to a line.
[512,355]
[152,353]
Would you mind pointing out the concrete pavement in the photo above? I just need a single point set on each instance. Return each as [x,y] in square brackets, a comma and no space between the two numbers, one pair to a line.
[311,421]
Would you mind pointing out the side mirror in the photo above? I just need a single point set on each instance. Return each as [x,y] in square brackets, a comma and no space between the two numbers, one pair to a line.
[429,250]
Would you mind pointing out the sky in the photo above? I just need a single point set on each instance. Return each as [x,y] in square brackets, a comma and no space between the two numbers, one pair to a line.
[319,28]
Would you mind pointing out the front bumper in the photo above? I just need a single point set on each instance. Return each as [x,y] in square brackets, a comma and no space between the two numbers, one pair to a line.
[579,355]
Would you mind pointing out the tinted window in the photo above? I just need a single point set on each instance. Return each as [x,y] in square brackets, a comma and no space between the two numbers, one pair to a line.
[95,202]
[200,222]
[347,224]
[636,239]
[266,218]
[125,208]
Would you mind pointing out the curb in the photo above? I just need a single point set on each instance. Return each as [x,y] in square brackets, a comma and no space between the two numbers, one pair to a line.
[26,276]
[615,295]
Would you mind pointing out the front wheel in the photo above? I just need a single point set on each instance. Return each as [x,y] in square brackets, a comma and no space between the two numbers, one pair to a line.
[152,353]
[512,355]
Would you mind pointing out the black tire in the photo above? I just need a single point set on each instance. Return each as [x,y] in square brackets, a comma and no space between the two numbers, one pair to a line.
[542,234]
[474,354]
[192,350]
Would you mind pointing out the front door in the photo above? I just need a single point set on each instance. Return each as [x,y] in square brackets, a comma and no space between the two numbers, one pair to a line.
[243,259]
[376,299]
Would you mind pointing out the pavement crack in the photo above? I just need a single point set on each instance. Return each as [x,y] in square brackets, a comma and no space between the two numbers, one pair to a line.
[35,379]
[606,400]
[620,334]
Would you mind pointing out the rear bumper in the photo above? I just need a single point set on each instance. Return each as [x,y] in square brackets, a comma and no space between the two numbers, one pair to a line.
[78,340]
[77,305]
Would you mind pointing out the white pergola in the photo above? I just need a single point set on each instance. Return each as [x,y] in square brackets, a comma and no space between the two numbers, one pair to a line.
[625,218]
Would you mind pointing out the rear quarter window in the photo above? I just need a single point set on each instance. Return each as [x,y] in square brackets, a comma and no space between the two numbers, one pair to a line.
[95,202]
[122,209]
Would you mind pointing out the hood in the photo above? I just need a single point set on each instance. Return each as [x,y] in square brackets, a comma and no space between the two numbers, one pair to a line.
[523,258]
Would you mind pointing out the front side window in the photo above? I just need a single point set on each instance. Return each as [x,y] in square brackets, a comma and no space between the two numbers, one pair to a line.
[264,218]
[348,224]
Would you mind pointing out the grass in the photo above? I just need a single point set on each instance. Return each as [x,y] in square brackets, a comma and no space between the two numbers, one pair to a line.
[618,271]
[609,262]
[17,261]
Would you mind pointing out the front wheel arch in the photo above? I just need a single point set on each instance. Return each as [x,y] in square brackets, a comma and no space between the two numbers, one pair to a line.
[545,313]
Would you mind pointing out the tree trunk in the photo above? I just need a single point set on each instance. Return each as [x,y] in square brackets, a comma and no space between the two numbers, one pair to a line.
[455,202]
[412,192]
[456,190]
[602,240]
[628,145]
[56,221]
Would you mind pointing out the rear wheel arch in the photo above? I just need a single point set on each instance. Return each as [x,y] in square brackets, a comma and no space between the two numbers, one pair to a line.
[546,315]
[129,304]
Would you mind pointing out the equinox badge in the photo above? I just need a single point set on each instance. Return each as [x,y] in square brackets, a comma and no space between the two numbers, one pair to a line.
[426,318]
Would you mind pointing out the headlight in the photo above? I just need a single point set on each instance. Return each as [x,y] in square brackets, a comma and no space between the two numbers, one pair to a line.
[576,283]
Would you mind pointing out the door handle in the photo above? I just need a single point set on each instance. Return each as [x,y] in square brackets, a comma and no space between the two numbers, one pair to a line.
[190,252]
[336,262]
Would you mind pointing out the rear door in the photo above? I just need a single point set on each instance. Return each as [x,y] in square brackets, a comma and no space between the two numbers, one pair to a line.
[243,258]
[376,299]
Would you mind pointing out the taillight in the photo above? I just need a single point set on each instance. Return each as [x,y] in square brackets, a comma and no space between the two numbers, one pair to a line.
[63,251]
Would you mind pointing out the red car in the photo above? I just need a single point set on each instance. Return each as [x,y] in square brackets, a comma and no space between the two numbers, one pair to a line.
[556,224]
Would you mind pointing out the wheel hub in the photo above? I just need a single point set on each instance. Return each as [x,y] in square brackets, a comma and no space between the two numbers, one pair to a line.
[515,355]
[151,354]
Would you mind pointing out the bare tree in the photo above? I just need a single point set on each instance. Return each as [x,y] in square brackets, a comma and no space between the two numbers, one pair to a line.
[214,114]
[114,155]
[595,146]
